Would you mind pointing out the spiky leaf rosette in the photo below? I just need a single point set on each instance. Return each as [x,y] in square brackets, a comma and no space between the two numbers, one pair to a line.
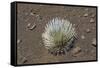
[58,36]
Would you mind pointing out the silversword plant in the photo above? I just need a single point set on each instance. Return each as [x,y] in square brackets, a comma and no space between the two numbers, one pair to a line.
[58,36]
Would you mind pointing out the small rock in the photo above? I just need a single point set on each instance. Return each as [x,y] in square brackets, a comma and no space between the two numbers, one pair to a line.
[32,27]
[88,30]
[82,37]
[85,15]
[92,20]
[31,13]
[94,42]
[24,60]
[76,50]
[28,25]
[19,41]
[37,15]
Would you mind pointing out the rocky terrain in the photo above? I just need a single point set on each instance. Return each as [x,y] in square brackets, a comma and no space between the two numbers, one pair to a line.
[31,20]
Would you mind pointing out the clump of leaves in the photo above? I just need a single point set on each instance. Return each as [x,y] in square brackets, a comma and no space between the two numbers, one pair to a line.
[58,35]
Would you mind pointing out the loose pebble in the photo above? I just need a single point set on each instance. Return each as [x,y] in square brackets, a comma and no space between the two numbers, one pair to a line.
[76,51]
[28,25]
[94,42]
[92,20]
[19,41]
[24,60]
[31,13]
[88,30]
[85,15]
[82,37]
[31,27]
[37,15]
